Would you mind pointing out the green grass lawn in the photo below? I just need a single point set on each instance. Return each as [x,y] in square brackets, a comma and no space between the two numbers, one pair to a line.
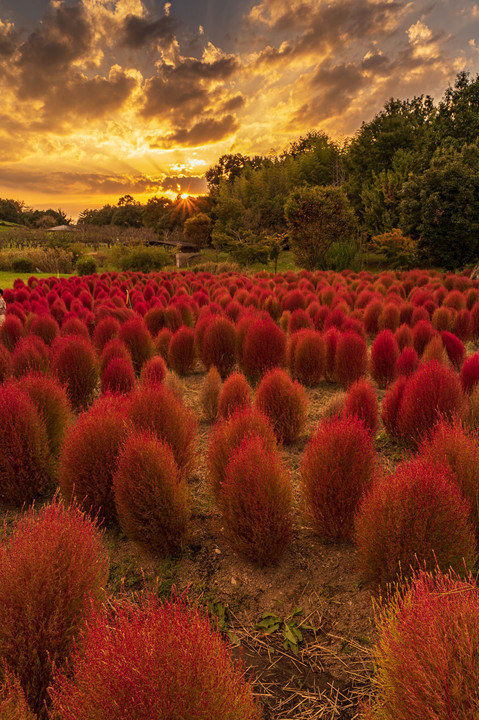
[8,278]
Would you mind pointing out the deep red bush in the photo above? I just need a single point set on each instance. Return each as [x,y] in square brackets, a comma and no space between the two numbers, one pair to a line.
[118,376]
[391,404]
[89,455]
[218,346]
[264,348]
[26,467]
[181,351]
[162,342]
[428,634]
[153,371]
[46,327]
[155,319]
[114,348]
[74,362]
[30,354]
[137,339]
[372,311]
[389,318]
[235,395]
[422,333]
[416,517]
[442,318]
[53,406]
[157,409]
[11,331]
[74,326]
[285,404]
[256,506]
[106,329]
[53,569]
[454,348]
[462,325]
[148,660]
[407,362]
[470,372]
[210,393]
[150,498]
[350,359]
[299,320]
[432,393]
[306,354]
[337,468]
[5,363]
[227,435]
[361,401]
[384,356]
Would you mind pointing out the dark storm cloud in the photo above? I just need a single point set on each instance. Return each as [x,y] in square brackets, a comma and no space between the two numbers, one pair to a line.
[138,31]
[8,40]
[329,27]
[184,183]
[203,132]
[186,90]
[64,37]
[234,103]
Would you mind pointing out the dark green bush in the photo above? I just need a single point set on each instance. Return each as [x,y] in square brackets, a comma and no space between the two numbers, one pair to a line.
[85,265]
[22,265]
[145,259]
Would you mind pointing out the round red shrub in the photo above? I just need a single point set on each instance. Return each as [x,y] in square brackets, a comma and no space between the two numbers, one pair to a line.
[118,376]
[454,348]
[350,359]
[157,409]
[114,348]
[264,348]
[150,660]
[106,329]
[227,435]
[372,311]
[89,455]
[285,403]
[46,327]
[181,351]
[151,500]
[11,330]
[25,460]
[137,339]
[155,319]
[416,517]
[337,468]
[384,355]
[53,569]
[306,354]
[432,393]
[74,362]
[256,506]
[235,395]
[442,318]
[153,371]
[391,404]
[74,326]
[30,354]
[407,362]
[389,318]
[462,325]
[218,346]
[470,372]
[422,333]
[162,342]
[361,402]
[50,399]
[427,635]
[209,395]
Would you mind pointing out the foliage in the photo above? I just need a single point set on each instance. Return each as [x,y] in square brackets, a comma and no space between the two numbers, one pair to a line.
[53,570]
[264,347]
[197,229]
[316,218]
[400,251]
[289,626]
[350,359]
[74,362]
[181,351]
[85,265]
[145,259]
[235,395]
[209,396]
[284,402]
[218,345]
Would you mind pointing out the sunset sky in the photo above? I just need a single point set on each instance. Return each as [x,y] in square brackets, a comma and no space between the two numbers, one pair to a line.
[100,98]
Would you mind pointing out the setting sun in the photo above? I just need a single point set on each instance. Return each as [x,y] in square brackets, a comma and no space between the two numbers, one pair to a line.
[184,196]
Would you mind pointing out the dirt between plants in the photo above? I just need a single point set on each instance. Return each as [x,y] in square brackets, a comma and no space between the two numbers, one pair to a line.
[332,666]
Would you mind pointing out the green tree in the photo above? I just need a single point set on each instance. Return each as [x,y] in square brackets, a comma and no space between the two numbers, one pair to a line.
[440,208]
[197,229]
[317,218]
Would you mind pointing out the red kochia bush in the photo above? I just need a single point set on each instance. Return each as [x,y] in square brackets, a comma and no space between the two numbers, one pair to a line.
[74,362]
[5,363]
[337,468]
[227,435]
[151,501]
[89,455]
[391,404]
[285,403]
[51,401]
[46,327]
[30,354]
[306,353]
[153,371]
[114,348]
[218,345]
[118,376]
[361,401]
[255,500]
[106,329]
[432,393]
[422,333]
[11,331]
[415,517]
[148,660]
[384,355]
[407,362]
[25,459]
[235,395]
[210,393]
[470,372]
[350,359]
[423,658]
[264,347]
[137,339]
[53,568]
[157,409]
[454,348]
[181,351]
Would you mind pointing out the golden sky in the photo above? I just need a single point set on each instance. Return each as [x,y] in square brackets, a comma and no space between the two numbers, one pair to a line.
[100,98]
